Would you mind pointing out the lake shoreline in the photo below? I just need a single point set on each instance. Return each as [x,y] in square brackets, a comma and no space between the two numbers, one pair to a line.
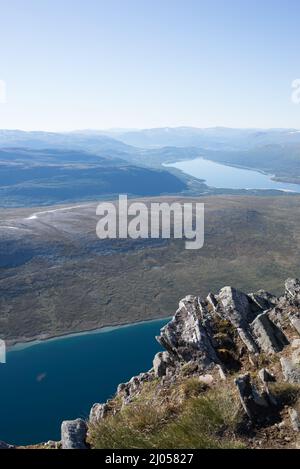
[270,176]
[21,343]
[231,165]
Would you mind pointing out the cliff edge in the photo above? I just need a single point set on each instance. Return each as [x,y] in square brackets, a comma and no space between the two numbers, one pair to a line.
[229,376]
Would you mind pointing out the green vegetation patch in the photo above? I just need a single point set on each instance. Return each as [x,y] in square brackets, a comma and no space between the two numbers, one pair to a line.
[184,416]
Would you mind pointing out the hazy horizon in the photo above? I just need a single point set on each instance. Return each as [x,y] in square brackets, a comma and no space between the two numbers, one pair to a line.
[138,64]
[162,127]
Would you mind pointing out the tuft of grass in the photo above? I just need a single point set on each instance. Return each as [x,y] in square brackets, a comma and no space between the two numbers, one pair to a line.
[192,387]
[209,421]
[223,326]
[285,393]
[182,417]
[264,360]
[131,428]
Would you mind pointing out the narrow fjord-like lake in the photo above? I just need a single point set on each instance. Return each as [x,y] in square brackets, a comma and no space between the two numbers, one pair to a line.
[47,382]
[228,177]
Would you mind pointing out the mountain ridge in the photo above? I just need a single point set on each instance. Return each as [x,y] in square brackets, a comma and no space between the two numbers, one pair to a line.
[247,344]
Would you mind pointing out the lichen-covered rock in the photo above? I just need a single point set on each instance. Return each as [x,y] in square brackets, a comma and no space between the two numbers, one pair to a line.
[296,356]
[213,304]
[185,337]
[266,377]
[263,299]
[161,362]
[277,316]
[295,322]
[98,412]
[268,336]
[247,339]
[295,420]
[127,391]
[134,383]
[295,344]
[73,434]
[207,340]
[121,388]
[236,306]
[292,290]
[290,370]
[251,400]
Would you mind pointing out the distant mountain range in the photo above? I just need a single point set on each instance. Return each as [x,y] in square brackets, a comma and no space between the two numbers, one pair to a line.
[31,177]
[72,140]
[51,167]
[275,151]
[130,141]
[215,138]
[94,142]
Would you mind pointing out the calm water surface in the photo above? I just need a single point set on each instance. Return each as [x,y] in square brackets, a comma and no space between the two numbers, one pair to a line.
[47,382]
[229,177]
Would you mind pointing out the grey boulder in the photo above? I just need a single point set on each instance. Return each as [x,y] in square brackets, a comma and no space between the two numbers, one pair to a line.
[236,306]
[268,336]
[290,370]
[295,421]
[295,322]
[161,362]
[251,400]
[73,434]
[98,412]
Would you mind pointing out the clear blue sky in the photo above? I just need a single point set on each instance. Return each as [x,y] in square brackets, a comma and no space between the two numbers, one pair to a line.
[73,64]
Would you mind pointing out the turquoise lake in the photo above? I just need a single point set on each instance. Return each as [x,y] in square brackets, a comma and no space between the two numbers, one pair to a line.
[50,381]
[229,177]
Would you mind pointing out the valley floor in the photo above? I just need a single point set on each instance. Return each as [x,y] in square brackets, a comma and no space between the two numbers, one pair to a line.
[57,277]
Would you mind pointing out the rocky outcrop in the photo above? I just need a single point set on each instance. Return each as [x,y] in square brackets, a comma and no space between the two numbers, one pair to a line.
[292,290]
[162,362]
[211,338]
[252,402]
[186,337]
[73,434]
[267,335]
[295,420]
[208,338]
[236,306]
[295,322]
[290,370]
[247,339]
[263,299]
[212,300]
[266,377]
[196,340]
[98,412]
